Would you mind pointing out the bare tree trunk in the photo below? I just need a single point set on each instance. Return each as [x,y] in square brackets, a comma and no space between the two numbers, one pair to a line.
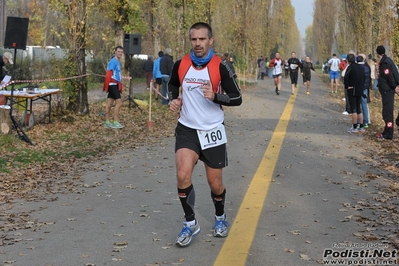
[179,45]
[47,26]
[77,16]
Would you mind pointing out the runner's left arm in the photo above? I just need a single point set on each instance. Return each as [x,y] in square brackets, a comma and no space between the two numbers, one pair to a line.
[232,92]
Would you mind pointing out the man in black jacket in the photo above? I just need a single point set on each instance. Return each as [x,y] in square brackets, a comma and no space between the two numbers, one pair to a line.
[388,83]
[166,66]
[354,84]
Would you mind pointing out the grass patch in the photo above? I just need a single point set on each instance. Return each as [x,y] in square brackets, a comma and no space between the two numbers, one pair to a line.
[26,156]
[3,165]
[80,154]
[8,140]
[325,78]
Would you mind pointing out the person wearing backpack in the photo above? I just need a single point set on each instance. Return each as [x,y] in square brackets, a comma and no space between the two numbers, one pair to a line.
[200,84]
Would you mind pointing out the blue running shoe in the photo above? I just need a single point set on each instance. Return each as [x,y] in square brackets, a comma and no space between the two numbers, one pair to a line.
[187,233]
[221,227]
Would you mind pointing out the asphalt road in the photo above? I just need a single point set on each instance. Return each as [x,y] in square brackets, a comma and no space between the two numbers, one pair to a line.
[128,212]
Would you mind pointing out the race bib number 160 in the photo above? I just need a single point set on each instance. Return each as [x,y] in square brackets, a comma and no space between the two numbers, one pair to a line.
[213,137]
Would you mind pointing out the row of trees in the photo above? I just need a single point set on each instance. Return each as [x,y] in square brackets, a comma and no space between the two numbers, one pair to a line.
[244,28]
[340,26]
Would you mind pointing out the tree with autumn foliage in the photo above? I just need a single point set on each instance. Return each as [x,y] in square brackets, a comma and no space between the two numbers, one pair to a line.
[244,28]
[340,26]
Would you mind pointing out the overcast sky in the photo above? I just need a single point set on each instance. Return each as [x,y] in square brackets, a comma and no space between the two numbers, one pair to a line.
[303,14]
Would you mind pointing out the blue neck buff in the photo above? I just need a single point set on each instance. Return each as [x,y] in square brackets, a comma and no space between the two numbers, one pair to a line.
[201,61]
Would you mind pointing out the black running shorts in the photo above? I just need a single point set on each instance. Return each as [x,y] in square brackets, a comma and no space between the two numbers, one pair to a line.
[306,78]
[158,81]
[113,92]
[294,77]
[186,137]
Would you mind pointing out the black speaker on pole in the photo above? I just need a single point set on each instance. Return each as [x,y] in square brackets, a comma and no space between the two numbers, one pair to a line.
[16,33]
[132,44]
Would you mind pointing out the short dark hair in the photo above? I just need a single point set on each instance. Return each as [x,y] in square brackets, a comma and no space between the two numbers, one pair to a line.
[350,58]
[202,25]
[360,58]
[160,53]
[334,54]
[118,47]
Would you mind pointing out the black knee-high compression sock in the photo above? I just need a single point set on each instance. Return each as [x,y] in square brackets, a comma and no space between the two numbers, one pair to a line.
[187,200]
[218,200]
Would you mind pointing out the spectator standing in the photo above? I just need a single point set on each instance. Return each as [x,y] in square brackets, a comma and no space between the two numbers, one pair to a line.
[366,89]
[342,67]
[325,67]
[148,67]
[230,64]
[157,75]
[258,63]
[113,86]
[333,64]
[166,66]
[347,107]
[4,60]
[262,68]
[388,81]
[354,84]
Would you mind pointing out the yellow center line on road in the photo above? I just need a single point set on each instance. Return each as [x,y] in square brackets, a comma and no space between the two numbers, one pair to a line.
[236,247]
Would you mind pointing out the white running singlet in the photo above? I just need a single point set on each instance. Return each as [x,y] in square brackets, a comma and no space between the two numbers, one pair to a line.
[277,69]
[197,112]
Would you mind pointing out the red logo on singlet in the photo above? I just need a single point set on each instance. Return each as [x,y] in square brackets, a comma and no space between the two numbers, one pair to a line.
[386,71]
